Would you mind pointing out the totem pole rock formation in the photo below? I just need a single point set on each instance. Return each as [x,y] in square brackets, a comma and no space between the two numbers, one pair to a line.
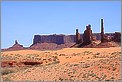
[104,38]
[78,39]
[87,36]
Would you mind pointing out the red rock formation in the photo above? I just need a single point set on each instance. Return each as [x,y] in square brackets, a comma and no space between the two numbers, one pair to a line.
[117,37]
[87,36]
[107,45]
[102,31]
[57,39]
[78,39]
[31,62]
[94,38]
[44,46]
[8,63]
[104,38]
[49,46]
[16,46]
[13,63]
[16,42]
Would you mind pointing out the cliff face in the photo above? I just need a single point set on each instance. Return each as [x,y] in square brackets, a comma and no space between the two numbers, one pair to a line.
[52,42]
[59,39]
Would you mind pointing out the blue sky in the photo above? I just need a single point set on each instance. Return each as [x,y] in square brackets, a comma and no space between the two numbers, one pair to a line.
[22,20]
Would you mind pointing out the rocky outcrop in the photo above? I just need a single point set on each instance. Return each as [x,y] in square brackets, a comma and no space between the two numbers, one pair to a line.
[13,63]
[49,46]
[62,39]
[89,39]
[16,46]
[43,46]
[58,39]
[104,38]
[78,37]
[94,38]
[117,37]
[108,44]
[102,31]
[87,36]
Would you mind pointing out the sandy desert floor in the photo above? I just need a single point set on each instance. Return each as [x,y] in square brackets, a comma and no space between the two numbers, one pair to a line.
[69,64]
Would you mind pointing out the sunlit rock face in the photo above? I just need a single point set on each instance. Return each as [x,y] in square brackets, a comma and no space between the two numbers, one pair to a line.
[57,39]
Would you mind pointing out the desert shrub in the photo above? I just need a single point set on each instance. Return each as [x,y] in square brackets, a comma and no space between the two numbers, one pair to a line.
[93,74]
[107,80]
[55,57]
[87,52]
[56,53]
[16,54]
[7,57]
[98,78]
[44,59]
[60,79]
[86,65]
[96,55]
[38,58]
[7,79]
[76,54]
[31,56]
[55,62]
[104,76]
[84,76]
[26,71]
[114,68]
[115,53]
[112,78]
[62,55]
[76,64]
[7,71]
